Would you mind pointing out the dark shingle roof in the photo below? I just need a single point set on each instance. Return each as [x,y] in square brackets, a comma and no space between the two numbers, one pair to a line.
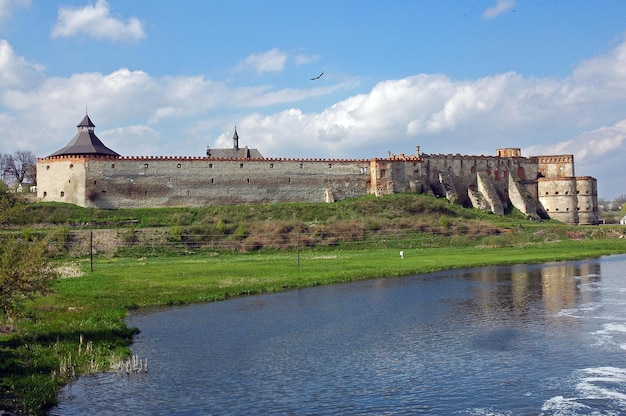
[244,153]
[85,142]
[235,152]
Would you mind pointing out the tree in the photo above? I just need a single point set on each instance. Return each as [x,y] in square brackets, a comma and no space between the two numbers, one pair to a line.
[5,160]
[25,270]
[21,165]
[11,207]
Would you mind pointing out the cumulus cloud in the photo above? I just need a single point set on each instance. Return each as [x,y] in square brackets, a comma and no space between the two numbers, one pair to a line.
[271,61]
[502,6]
[581,114]
[96,21]
[588,146]
[15,71]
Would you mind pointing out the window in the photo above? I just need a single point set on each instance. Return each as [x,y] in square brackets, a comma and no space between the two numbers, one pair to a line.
[271,166]
[112,165]
[301,164]
[210,165]
[45,194]
[330,165]
[62,194]
[145,166]
[178,166]
[47,167]
[241,165]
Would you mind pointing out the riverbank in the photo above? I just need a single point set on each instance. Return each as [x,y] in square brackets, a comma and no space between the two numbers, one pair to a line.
[159,257]
[80,328]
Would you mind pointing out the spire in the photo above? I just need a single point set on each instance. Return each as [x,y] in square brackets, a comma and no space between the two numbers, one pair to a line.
[236,140]
[86,124]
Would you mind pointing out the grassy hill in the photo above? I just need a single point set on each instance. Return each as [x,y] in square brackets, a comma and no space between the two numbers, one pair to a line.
[402,220]
[151,257]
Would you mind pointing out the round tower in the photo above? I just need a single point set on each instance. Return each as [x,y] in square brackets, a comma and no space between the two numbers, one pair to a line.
[587,195]
[558,198]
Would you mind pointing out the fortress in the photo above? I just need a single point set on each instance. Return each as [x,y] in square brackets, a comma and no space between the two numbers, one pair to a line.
[89,174]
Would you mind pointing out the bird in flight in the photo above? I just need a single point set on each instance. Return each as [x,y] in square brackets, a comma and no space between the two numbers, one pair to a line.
[317,77]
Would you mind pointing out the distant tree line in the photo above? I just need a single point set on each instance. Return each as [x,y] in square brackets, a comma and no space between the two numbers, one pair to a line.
[18,168]
[618,204]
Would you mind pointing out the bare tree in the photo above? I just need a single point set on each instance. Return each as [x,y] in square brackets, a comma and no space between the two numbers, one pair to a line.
[5,162]
[21,165]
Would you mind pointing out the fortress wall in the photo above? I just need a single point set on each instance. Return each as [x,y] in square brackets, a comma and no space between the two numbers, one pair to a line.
[390,176]
[587,195]
[465,169]
[169,182]
[558,198]
[560,166]
[163,181]
[61,180]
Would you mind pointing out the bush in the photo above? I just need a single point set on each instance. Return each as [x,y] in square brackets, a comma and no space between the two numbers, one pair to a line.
[24,273]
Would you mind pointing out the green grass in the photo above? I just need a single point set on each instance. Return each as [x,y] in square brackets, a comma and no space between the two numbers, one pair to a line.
[92,307]
[80,329]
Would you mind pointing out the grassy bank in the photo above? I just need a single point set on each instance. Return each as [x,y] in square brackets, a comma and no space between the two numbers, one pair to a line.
[80,328]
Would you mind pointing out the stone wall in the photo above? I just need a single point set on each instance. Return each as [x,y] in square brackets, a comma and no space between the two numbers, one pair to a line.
[194,182]
[496,183]
[559,166]
[62,179]
[558,198]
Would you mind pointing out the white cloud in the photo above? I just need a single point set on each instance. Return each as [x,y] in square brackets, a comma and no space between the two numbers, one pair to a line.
[306,59]
[181,115]
[95,21]
[502,6]
[590,145]
[271,61]
[7,6]
[15,71]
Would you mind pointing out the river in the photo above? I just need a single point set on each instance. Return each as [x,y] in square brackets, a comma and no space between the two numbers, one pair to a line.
[522,340]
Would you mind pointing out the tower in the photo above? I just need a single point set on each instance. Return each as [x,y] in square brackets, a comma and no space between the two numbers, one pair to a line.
[236,140]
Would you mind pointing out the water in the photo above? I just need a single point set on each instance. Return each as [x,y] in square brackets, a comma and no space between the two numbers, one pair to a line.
[523,340]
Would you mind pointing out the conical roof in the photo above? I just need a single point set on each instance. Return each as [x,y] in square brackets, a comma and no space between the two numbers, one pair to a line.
[85,142]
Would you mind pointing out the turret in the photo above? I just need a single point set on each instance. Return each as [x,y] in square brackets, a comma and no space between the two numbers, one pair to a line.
[236,140]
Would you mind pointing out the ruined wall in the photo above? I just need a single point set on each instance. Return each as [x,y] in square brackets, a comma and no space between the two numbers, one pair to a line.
[136,182]
[560,166]
[396,174]
[486,182]
[464,171]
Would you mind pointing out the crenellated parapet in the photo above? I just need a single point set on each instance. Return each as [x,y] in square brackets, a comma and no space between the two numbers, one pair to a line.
[87,173]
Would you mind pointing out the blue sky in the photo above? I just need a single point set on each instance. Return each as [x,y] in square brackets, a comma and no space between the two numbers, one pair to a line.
[451,76]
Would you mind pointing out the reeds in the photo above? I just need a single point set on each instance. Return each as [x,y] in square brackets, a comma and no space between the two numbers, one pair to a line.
[133,365]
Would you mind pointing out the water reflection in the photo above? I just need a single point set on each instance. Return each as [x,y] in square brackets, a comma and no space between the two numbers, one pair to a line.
[497,340]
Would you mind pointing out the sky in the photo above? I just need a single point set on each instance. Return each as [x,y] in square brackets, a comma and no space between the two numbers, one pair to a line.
[163,78]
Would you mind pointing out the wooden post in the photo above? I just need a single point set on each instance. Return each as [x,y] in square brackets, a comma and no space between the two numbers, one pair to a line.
[91,250]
